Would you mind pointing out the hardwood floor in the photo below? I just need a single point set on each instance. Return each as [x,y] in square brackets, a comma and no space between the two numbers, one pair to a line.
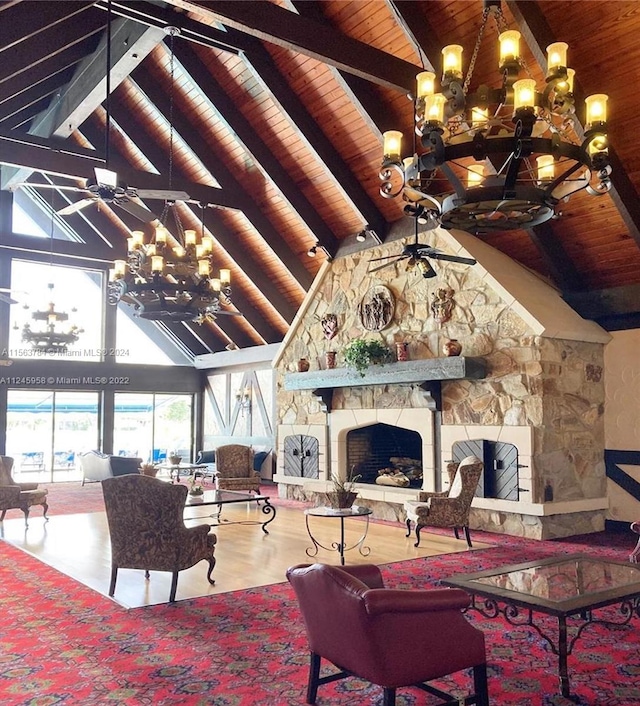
[78,545]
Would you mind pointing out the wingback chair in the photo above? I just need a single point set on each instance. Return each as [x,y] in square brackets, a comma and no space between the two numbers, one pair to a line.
[392,638]
[22,496]
[234,468]
[147,530]
[449,508]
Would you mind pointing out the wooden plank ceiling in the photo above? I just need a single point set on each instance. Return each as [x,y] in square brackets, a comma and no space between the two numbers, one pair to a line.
[277,110]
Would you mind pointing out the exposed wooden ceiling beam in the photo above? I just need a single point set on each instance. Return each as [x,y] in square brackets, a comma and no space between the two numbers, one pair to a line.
[223,175]
[16,30]
[227,240]
[247,136]
[34,94]
[560,266]
[539,35]
[617,308]
[252,269]
[53,41]
[130,43]
[55,157]
[267,72]
[279,26]
[23,81]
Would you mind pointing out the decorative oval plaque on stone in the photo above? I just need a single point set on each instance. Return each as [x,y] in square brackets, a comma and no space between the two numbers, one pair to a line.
[377,308]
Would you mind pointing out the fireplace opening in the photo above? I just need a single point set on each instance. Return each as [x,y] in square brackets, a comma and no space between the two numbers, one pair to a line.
[383,454]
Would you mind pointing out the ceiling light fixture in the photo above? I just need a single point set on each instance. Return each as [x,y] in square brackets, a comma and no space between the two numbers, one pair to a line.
[50,336]
[497,158]
[311,252]
[169,277]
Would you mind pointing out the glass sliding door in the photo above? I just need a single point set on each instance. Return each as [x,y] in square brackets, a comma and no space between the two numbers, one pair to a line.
[151,426]
[46,430]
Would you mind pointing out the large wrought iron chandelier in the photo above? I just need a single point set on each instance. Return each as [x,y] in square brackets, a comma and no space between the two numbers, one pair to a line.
[497,158]
[49,336]
[170,276]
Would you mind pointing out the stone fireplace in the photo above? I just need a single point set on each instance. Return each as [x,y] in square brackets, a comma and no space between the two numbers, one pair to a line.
[529,378]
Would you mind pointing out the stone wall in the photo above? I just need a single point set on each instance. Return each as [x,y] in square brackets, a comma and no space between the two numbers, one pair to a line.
[546,382]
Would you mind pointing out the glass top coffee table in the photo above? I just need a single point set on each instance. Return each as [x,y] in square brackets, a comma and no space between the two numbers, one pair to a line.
[341,514]
[228,497]
[566,586]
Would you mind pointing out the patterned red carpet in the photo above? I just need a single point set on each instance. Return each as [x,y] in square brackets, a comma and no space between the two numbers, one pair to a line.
[61,643]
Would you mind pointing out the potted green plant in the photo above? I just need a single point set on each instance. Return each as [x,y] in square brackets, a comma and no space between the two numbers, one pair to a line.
[343,494]
[363,352]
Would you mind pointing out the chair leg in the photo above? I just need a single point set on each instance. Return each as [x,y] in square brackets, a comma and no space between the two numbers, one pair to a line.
[408,534]
[147,575]
[314,676]
[418,528]
[480,685]
[114,576]
[174,586]
[212,563]
[4,512]
[389,697]
[467,536]
[26,516]
[455,531]
[45,508]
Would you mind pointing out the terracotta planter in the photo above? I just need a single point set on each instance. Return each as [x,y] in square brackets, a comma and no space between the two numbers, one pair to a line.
[330,359]
[452,347]
[303,365]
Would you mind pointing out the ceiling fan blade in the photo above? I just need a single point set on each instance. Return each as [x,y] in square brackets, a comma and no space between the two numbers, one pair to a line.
[452,258]
[136,208]
[7,299]
[106,177]
[58,187]
[387,257]
[163,195]
[75,206]
[386,264]
[228,313]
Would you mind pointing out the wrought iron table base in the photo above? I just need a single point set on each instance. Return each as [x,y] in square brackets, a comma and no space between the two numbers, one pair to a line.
[340,546]
[519,616]
[266,509]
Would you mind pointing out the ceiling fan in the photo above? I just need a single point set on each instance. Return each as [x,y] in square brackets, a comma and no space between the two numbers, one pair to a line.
[106,189]
[418,256]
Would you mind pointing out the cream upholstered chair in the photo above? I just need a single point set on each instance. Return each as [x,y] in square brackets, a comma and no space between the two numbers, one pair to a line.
[234,468]
[147,530]
[21,496]
[449,508]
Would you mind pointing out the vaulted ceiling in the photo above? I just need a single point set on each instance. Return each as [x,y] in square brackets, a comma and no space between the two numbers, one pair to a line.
[277,111]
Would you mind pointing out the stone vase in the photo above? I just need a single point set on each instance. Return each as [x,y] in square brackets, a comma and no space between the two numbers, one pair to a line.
[402,351]
[303,365]
[452,347]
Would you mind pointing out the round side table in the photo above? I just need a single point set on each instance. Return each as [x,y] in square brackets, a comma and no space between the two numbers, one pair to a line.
[341,514]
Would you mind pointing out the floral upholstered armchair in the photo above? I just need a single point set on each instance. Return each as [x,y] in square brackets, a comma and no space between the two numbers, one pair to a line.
[450,508]
[147,530]
[234,468]
[21,496]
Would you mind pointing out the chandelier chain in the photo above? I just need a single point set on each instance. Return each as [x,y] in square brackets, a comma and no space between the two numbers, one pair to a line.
[476,50]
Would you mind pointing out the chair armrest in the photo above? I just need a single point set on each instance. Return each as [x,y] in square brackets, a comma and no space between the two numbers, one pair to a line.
[378,601]
[425,495]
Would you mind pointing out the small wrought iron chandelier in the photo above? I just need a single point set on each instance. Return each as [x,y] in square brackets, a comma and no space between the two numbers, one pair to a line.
[497,158]
[50,337]
[169,278]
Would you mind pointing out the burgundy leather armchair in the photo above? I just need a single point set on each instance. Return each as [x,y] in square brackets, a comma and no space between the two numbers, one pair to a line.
[389,637]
